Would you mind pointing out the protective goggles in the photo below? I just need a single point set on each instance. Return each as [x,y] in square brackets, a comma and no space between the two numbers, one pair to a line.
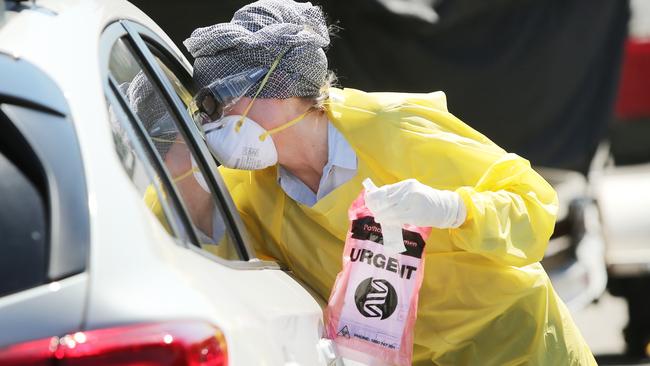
[212,101]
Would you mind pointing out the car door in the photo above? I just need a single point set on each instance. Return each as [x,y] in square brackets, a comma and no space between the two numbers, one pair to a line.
[287,326]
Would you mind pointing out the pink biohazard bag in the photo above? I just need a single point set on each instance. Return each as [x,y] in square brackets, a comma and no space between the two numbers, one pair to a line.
[372,308]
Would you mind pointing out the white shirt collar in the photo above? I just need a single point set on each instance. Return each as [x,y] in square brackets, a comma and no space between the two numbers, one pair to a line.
[341,166]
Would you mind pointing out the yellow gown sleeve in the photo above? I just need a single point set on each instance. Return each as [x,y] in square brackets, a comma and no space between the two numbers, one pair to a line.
[151,200]
[241,188]
[511,213]
[511,209]
[223,249]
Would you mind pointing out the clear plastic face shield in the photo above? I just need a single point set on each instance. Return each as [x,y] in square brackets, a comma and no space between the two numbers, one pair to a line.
[214,100]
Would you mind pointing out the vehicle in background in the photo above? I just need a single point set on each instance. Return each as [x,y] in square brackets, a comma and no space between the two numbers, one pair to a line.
[622,185]
[574,259]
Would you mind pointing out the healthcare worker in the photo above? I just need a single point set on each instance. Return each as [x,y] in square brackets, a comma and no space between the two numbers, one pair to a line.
[294,152]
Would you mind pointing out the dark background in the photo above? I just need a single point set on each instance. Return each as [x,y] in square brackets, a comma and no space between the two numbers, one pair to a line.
[537,77]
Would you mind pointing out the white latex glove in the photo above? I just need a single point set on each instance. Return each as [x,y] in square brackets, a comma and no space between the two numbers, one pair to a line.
[391,231]
[411,202]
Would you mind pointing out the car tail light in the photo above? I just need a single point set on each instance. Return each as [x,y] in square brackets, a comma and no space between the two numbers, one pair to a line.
[170,343]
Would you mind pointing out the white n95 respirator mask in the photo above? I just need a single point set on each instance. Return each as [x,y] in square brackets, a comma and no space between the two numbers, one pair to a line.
[237,141]
[240,143]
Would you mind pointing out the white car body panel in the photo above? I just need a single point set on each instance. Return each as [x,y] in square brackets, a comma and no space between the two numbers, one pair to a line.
[65,298]
[267,318]
[624,197]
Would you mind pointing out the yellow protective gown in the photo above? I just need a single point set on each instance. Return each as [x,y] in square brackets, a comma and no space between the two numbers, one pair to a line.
[485,299]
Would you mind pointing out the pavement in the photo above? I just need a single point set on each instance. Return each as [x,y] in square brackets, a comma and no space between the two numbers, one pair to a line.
[601,324]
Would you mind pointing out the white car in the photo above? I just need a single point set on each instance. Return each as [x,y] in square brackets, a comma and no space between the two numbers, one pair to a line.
[103,260]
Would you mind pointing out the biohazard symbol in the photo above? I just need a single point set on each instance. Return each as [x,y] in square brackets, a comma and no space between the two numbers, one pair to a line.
[375,298]
[344,332]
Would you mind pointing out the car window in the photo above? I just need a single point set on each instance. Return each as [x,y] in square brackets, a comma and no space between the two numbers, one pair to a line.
[44,220]
[630,141]
[153,116]
[23,220]
[183,91]
[139,166]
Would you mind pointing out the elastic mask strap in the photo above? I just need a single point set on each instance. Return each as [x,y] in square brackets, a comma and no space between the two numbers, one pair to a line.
[284,126]
[266,78]
[186,174]
[158,139]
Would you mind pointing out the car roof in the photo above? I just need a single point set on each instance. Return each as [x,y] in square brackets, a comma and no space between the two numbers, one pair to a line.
[54,30]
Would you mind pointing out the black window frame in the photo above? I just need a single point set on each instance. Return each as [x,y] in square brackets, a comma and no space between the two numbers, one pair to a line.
[141,41]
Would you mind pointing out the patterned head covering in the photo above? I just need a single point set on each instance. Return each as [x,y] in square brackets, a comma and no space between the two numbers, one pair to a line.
[255,36]
[151,111]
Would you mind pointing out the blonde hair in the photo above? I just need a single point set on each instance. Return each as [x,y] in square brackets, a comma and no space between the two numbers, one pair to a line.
[320,101]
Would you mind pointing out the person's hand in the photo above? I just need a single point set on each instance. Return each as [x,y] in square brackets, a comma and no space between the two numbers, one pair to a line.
[411,202]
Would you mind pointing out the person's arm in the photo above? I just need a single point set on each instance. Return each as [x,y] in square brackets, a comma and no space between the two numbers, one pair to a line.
[507,210]
[511,213]
[240,187]
[507,216]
